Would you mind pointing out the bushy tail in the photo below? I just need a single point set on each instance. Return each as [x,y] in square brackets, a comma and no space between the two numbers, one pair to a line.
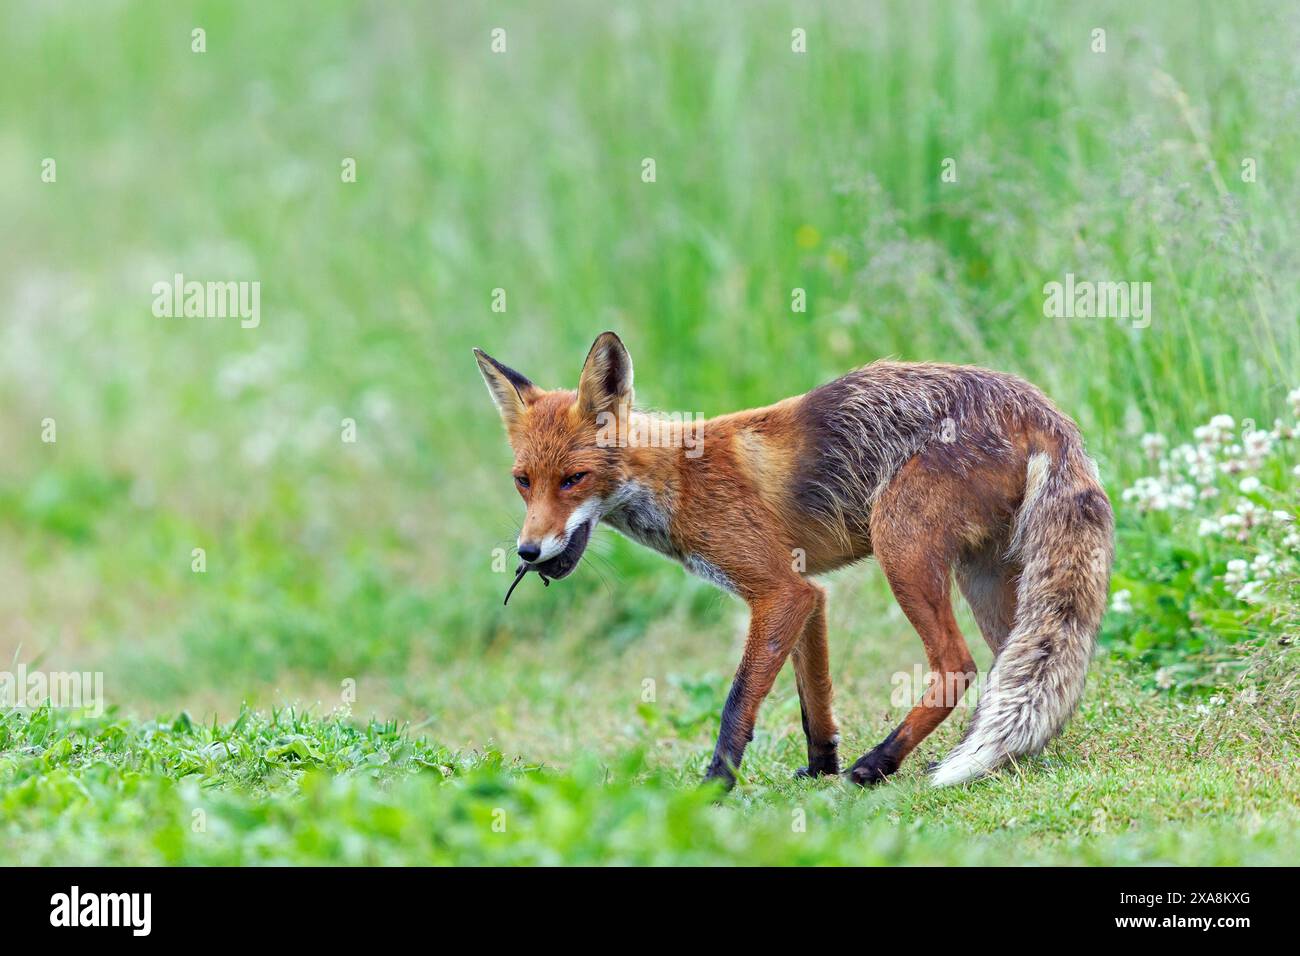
[1063,538]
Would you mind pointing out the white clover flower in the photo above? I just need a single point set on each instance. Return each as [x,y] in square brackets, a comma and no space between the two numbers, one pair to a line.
[1282,517]
[1250,485]
[1293,397]
[1149,493]
[1208,528]
[1164,679]
[1249,516]
[1237,573]
[1199,462]
[1154,444]
[1251,513]
[1209,491]
[1182,496]
[1257,442]
[1251,592]
[1262,566]
[1257,445]
[1121,602]
[1218,432]
[1292,541]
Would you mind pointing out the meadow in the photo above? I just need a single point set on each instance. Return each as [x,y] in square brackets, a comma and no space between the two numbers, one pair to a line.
[298,620]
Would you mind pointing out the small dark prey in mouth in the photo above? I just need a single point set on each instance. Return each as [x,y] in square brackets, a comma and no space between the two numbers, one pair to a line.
[519,576]
[557,567]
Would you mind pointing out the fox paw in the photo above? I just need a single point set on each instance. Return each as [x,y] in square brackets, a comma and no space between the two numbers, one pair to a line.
[872,769]
[825,767]
[722,774]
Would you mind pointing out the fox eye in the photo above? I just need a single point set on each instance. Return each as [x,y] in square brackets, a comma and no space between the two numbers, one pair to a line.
[573,480]
[521,481]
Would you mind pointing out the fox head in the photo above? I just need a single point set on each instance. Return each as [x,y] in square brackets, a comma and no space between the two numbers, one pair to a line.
[566,469]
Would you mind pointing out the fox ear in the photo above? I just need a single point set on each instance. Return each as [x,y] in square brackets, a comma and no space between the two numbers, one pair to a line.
[510,391]
[606,381]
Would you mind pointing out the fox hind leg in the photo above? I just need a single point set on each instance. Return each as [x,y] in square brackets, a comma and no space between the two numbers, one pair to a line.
[989,581]
[916,562]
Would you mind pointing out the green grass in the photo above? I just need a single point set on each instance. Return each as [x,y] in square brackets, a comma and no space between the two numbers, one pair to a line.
[332,563]
[1135,781]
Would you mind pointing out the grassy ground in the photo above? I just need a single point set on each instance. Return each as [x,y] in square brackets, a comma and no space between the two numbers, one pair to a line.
[362,573]
[1135,780]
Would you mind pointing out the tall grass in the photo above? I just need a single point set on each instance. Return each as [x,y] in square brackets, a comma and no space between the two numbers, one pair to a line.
[522,171]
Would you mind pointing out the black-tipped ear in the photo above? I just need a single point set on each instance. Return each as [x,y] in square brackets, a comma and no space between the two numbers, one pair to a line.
[509,390]
[606,381]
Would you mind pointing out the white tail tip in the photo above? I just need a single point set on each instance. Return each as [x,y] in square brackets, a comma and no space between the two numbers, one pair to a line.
[960,766]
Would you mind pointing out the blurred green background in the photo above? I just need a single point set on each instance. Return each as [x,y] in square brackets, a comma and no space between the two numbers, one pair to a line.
[373,560]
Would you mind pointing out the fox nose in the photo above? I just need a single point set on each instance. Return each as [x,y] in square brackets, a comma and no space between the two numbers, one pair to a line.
[530,551]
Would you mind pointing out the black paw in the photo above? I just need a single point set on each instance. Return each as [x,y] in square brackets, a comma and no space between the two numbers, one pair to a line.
[827,766]
[872,769]
[721,773]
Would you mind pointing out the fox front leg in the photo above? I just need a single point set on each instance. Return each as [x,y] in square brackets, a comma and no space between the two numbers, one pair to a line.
[777,620]
[812,673]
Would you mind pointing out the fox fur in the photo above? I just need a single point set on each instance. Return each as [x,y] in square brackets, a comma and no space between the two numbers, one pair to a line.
[938,471]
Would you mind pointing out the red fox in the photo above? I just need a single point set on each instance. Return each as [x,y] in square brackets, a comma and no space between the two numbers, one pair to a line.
[935,470]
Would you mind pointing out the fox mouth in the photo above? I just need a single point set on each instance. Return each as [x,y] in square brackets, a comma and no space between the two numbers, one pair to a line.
[562,564]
